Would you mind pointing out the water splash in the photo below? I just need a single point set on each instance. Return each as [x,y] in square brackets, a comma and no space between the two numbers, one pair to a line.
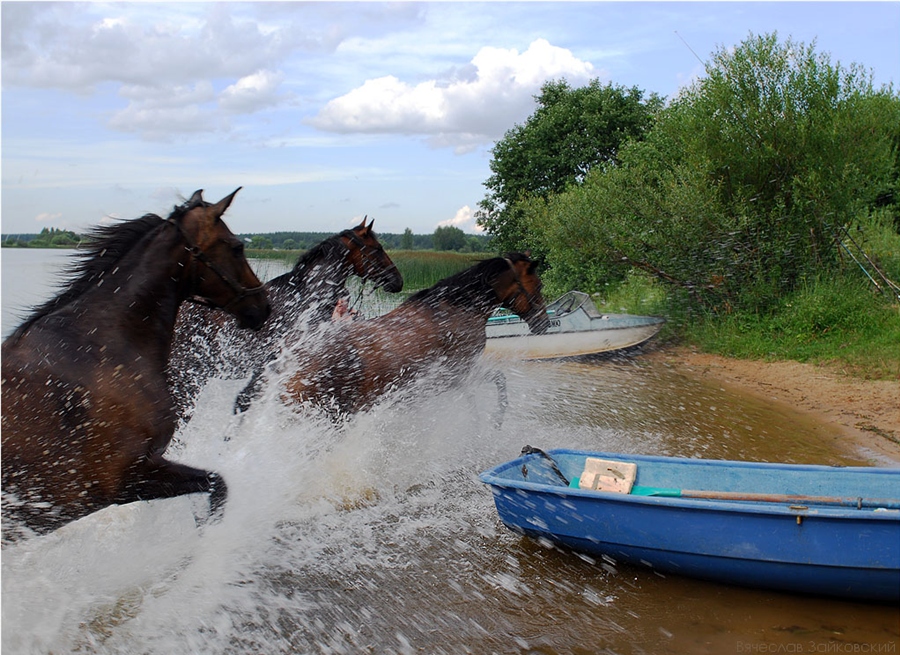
[371,535]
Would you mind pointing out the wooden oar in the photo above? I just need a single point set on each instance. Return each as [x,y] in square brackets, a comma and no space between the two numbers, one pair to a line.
[794,499]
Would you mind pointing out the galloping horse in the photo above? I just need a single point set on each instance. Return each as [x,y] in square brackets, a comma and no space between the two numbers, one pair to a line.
[307,293]
[87,414]
[356,363]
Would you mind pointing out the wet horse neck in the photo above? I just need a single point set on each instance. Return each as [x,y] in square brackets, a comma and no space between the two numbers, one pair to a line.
[312,288]
[455,317]
[476,299]
[143,295]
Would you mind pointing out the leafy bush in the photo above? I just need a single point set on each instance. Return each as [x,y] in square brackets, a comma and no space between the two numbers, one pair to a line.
[735,195]
[571,132]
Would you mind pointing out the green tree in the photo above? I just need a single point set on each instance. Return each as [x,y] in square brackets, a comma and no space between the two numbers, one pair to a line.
[474,244]
[571,132]
[51,236]
[260,242]
[406,241]
[734,196]
[449,238]
[289,244]
[64,238]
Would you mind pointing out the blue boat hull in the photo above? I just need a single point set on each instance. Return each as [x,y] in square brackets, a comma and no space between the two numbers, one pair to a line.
[811,548]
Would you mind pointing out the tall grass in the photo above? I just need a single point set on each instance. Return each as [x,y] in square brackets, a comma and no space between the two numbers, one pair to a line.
[288,256]
[841,322]
[423,268]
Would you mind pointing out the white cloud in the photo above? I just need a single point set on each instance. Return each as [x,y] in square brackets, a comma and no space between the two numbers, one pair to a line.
[169,96]
[47,218]
[129,164]
[186,68]
[164,59]
[251,93]
[480,106]
[162,123]
[464,220]
[160,113]
[75,49]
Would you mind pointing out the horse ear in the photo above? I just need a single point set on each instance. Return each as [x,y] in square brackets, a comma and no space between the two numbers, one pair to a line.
[371,223]
[363,224]
[219,208]
[196,199]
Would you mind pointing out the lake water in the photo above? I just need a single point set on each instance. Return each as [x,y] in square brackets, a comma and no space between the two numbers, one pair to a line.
[377,537]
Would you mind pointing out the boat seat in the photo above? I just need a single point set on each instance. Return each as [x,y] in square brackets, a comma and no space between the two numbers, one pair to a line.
[607,475]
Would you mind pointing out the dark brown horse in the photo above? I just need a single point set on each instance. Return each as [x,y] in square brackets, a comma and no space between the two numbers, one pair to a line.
[356,363]
[301,300]
[87,414]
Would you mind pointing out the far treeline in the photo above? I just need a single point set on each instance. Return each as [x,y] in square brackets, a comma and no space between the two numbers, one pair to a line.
[50,237]
[446,238]
[759,209]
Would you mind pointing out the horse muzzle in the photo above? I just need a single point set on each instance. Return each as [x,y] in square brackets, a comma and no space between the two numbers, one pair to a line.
[538,321]
[391,282]
[254,317]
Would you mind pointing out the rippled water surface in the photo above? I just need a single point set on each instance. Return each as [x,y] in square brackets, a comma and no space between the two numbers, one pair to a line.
[375,536]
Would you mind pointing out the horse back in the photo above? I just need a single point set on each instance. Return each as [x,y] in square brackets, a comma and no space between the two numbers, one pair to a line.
[355,363]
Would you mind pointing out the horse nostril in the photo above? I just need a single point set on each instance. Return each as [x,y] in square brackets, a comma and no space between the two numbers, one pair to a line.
[254,317]
[393,285]
[538,322]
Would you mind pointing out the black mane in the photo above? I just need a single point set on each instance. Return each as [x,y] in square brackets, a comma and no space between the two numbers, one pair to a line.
[323,249]
[102,249]
[460,288]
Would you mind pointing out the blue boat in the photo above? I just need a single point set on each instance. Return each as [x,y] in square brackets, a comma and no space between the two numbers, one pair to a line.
[820,530]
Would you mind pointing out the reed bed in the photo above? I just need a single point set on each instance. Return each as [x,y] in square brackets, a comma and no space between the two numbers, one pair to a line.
[423,268]
[420,269]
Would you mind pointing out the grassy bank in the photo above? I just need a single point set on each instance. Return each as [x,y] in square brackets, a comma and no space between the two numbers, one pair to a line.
[843,323]
[840,323]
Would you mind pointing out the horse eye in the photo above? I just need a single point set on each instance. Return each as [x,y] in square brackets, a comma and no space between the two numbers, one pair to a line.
[238,249]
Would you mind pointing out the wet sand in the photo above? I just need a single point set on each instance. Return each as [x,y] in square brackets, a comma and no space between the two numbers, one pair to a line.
[866,413]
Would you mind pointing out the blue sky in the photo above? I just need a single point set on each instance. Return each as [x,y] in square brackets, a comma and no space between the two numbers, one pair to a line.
[328,111]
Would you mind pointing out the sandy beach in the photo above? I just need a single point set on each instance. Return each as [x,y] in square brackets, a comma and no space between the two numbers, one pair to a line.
[866,412]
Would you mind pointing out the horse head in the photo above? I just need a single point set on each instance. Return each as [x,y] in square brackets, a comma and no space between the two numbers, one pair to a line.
[232,284]
[368,258]
[519,291]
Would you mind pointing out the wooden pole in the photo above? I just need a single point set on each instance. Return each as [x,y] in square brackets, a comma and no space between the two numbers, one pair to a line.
[793,499]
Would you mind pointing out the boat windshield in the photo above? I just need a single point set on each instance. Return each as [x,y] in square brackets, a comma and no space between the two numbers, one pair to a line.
[566,304]
[571,301]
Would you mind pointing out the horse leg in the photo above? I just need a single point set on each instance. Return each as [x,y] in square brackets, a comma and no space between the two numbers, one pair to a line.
[186,380]
[253,389]
[156,477]
[250,392]
[499,379]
